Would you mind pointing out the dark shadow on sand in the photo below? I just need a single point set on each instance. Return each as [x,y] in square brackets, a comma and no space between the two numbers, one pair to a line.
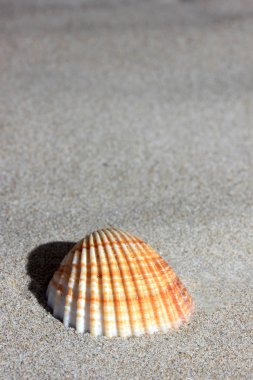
[42,262]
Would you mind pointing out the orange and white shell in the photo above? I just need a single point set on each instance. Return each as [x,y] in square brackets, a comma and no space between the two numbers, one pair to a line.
[112,283]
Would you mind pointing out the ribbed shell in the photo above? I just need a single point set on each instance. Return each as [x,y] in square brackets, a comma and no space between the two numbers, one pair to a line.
[112,283]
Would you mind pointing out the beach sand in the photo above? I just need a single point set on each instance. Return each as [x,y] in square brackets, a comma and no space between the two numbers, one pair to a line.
[139,116]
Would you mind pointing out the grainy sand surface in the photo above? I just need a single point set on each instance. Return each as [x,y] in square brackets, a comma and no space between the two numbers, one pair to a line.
[141,116]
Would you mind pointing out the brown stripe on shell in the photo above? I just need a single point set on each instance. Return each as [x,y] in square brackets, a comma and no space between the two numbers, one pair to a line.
[164,318]
[151,257]
[172,282]
[128,283]
[178,290]
[96,294]
[148,308]
[141,313]
[174,286]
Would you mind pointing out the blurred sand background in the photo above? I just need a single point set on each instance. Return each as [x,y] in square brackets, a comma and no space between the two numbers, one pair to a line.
[137,114]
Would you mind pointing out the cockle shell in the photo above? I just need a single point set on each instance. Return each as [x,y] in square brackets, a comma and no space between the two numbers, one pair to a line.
[112,283]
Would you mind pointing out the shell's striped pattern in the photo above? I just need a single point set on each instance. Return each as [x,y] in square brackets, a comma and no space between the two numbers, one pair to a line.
[112,283]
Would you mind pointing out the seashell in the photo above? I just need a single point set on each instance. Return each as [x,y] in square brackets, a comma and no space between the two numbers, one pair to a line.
[112,283]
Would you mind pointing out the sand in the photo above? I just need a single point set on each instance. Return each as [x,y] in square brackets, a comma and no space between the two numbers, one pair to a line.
[138,116]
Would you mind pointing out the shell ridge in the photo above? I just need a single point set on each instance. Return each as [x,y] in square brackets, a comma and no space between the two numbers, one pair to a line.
[144,320]
[124,283]
[60,295]
[96,325]
[121,306]
[88,290]
[75,291]
[109,257]
[81,295]
[72,283]
[100,289]
[156,278]
[108,307]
